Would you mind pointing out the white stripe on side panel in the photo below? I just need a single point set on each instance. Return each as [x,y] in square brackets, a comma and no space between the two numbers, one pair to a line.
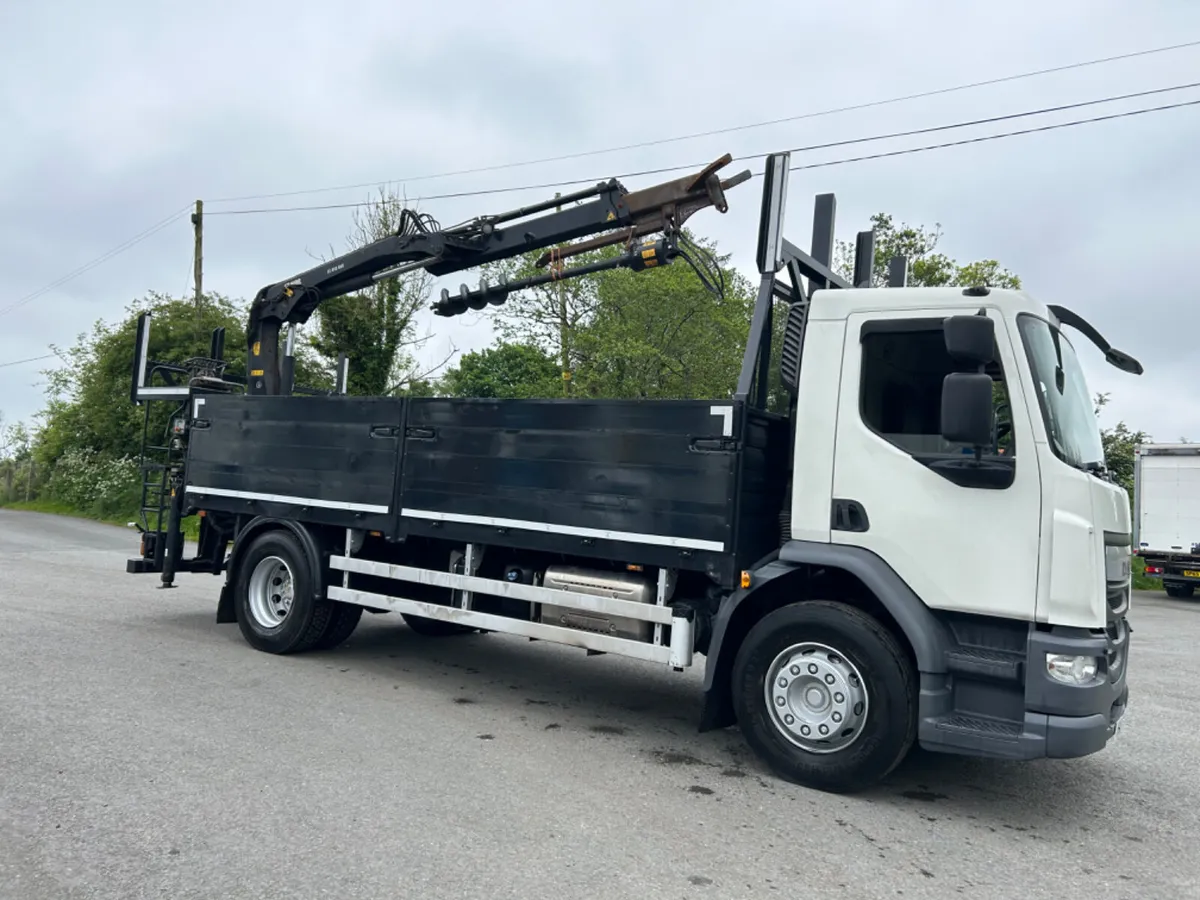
[662,540]
[286,498]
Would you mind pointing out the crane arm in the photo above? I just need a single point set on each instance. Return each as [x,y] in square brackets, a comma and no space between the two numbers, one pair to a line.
[606,214]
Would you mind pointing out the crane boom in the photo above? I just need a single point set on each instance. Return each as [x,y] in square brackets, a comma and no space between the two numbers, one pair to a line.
[606,214]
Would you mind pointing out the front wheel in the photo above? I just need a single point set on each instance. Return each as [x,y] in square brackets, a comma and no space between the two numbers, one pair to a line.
[825,695]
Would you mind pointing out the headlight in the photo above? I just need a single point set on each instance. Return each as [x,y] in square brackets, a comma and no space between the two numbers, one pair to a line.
[1072,669]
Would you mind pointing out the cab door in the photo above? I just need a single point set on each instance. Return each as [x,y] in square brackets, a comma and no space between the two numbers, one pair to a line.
[960,545]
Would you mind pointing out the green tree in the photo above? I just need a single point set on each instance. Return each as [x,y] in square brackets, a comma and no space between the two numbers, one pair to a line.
[1119,442]
[15,450]
[619,333]
[505,371]
[375,327]
[551,316]
[927,266]
[663,333]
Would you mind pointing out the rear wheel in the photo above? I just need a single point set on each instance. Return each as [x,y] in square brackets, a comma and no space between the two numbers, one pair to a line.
[825,695]
[274,596]
[342,623]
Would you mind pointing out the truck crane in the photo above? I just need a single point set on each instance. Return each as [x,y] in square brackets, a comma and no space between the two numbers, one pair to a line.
[625,216]
[919,545]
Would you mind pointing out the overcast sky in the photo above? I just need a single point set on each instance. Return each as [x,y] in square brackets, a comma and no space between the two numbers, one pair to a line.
[112,122]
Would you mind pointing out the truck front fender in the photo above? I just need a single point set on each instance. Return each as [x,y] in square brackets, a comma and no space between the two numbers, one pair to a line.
[770,588]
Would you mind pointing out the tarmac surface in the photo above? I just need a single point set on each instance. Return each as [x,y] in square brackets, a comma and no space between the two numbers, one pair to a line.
[146,751]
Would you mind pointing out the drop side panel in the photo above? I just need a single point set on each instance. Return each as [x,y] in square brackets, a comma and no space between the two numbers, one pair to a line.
[328,460]
[635,481]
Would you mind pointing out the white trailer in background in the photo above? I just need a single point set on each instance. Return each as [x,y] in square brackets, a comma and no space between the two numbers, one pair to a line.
[1166,518]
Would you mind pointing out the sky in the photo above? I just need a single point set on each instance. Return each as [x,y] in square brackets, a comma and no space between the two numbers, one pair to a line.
[113,123]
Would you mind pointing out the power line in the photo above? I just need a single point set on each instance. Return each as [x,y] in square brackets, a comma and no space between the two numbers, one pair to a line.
[834,162]
[549,185]
[21,362]
[727,130]
[561,184]
[104,257]
[994,137]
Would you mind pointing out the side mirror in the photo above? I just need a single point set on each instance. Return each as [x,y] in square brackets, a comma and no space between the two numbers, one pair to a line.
[967,408]
[970,339]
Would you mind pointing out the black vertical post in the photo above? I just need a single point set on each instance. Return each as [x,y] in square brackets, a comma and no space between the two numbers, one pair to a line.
[897,272]
[824,221]
[174,535]
[758,323]
[864,259]
[764,357]
[139,355]
[289,362]
[771,215]
[756,361]
[343,365]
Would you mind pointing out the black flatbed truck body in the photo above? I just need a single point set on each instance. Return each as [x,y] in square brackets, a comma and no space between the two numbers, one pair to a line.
[694,485]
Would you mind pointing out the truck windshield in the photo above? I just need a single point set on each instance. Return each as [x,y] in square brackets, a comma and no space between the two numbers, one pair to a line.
[1064,397]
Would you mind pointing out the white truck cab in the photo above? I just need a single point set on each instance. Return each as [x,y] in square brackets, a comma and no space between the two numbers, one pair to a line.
[1028,531]
[948,465]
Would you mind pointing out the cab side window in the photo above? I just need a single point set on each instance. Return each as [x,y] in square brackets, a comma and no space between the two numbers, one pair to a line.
[900,399]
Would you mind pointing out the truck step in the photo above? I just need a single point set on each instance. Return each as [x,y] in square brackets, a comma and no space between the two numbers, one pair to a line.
[996,729]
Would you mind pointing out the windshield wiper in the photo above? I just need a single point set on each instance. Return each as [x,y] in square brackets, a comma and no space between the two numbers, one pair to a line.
[1118,358]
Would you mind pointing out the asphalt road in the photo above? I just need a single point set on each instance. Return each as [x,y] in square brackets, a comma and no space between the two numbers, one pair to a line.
[147,752]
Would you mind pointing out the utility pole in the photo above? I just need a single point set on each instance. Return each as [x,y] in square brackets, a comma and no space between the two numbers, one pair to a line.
[198,261]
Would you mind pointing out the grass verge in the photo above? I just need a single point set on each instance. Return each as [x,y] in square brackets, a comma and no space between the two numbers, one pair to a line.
[61,509]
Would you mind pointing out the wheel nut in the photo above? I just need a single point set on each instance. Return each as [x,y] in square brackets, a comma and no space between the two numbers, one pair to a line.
[839,697]
[829,679]
[812,667]
[837,717]
[795,670]
[791,720]
[805,730]
[779,701]
[824,729]
[783,682]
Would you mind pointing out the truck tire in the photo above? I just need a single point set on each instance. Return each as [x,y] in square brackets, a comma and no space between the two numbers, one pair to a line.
[342,623]
[273,596]
[825,695]
[434,627]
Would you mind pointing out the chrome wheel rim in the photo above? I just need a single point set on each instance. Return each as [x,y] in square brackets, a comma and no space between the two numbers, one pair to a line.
[817,697]
[272,590]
